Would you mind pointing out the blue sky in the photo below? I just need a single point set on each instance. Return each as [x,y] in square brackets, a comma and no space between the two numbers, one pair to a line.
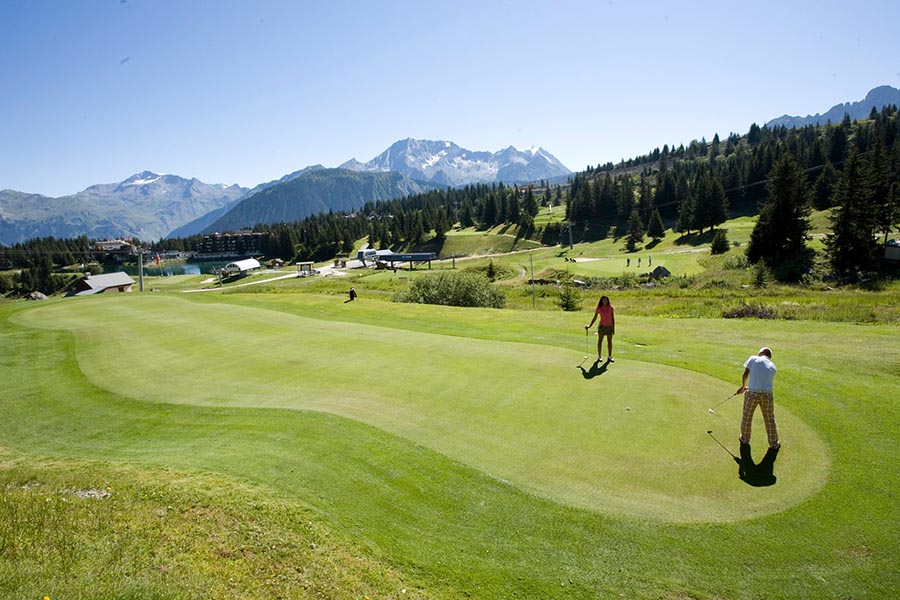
[245,91]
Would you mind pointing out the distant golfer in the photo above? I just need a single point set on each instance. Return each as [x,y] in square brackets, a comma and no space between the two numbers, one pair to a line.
[607,327]
[352,295]
[757,387]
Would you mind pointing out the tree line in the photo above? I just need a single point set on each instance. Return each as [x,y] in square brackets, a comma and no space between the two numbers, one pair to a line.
[779,173]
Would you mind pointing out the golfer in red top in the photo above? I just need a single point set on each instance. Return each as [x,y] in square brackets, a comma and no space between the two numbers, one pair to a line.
[606,328]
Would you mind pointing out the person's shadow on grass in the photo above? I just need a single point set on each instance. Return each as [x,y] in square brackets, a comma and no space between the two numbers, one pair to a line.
[757,475]
[595,370]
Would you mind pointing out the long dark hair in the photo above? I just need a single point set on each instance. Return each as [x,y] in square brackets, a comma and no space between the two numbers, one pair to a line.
[602,298]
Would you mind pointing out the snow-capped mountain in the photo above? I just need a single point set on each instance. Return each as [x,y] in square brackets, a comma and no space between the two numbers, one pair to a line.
[445,163]
[147,205]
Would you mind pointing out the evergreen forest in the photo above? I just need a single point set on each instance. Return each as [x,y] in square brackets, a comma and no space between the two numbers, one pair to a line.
[779,175]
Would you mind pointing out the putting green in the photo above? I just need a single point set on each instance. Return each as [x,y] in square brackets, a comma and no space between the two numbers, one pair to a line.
[629,440]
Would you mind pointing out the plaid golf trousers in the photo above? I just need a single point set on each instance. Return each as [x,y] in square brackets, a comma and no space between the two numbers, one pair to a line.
[766,403]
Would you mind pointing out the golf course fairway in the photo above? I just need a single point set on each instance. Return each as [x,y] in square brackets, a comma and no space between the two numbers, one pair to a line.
[626,439]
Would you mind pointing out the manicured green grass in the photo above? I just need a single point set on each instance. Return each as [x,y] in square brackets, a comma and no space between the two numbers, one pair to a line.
[321,365]
[459,450]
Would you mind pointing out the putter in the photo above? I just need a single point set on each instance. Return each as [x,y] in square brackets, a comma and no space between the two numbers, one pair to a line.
[585,348]
[723,447]
[712,412]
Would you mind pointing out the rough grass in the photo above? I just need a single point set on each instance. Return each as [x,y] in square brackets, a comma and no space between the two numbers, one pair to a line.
[74,529]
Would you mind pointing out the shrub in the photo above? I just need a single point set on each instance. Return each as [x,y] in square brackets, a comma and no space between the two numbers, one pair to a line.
[453,289]
[569,299]
[492,271]
[737,262]
[760,275]
[751,311]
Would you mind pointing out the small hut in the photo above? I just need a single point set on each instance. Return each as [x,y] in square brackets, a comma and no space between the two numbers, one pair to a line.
[102,284]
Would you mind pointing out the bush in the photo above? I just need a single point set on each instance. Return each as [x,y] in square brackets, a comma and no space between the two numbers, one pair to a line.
[453,289]
[737,262]
[751,311]
[492,271]
[761,275]
[569,299]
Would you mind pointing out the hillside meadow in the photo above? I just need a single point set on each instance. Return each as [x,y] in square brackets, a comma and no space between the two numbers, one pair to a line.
[276,441]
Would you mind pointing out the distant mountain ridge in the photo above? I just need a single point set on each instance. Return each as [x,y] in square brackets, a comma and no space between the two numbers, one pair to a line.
[877,98]
[203,222]
[445,163]
[151,206]
[147,205]
[315,191]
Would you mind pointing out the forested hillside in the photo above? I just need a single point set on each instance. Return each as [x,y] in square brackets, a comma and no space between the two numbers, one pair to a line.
[852,168]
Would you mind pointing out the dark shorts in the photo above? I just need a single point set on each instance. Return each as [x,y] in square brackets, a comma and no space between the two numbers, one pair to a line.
[606,330]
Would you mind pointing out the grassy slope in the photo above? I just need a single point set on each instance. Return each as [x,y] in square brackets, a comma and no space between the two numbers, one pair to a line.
[575,453]
[451,529]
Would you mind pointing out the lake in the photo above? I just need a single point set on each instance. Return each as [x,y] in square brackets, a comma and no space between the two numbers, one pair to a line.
[170,269]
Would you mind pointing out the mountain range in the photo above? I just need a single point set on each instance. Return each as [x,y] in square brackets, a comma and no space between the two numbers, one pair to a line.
[316,191]
[150,206]
[446,164]
[146,205]
[877,98]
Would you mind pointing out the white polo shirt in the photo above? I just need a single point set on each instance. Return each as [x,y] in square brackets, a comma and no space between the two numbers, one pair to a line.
[762,373]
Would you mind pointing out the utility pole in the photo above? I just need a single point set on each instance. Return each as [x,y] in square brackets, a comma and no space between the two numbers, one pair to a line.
[141,269]
[532,281]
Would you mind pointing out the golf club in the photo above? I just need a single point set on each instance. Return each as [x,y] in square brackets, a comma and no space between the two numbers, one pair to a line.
[723,447]
[712,412]
[585,348]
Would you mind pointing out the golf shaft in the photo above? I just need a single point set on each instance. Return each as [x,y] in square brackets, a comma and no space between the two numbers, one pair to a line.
[725,400]
[720,443]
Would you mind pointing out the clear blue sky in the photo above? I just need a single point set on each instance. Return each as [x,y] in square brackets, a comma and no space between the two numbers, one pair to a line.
[245,91]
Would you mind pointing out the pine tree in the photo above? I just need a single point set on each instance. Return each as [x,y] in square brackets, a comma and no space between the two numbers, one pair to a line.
[714,148]
[779,237]
[442,225]
[851,246]
[754,135]
[635,230]
[712,204]
[824,187]
[655,228]
[625,199]
[886,209]
[530,205]
[686,209]
[512,207]
[489,211]
[645,197]
[719,243]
